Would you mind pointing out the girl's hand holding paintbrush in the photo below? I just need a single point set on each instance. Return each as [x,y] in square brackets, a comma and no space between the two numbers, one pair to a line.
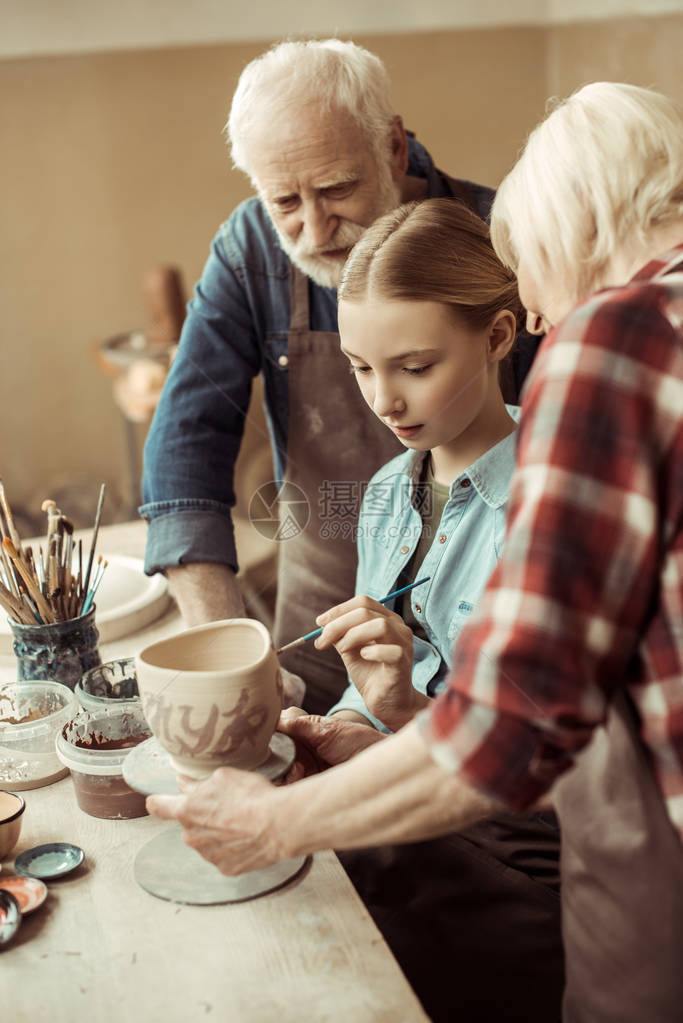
[376,647]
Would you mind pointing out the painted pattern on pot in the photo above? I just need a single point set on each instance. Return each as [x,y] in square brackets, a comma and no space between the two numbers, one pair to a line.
[212,695]
[244,725]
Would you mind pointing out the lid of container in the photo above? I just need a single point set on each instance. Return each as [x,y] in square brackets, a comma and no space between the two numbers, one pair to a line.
[90,761]
[26,730]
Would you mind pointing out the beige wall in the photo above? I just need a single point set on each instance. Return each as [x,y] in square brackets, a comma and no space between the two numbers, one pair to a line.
[644,51]
[115,162]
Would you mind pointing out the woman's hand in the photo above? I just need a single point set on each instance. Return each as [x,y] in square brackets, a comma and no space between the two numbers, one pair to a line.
[376,647]
[235,818]
[228,818]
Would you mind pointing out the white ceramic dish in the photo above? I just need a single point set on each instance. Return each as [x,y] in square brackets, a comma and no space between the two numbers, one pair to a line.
[127,601]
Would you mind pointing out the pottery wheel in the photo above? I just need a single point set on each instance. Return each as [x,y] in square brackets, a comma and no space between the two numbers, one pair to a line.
[147,768]
[170,869]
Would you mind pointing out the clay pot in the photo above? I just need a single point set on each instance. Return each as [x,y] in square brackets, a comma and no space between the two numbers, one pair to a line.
[212,695]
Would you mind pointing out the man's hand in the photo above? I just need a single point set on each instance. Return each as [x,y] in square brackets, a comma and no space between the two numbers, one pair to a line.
[376,646]
[323,742]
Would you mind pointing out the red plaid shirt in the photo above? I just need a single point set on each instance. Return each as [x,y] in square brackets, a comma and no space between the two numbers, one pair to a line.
[588,595]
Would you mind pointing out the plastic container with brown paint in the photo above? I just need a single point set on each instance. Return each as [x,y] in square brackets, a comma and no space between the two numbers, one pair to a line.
[32,714]
[94,746]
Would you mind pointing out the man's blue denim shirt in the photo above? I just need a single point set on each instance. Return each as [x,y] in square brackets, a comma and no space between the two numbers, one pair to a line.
[236,327]
[473,523]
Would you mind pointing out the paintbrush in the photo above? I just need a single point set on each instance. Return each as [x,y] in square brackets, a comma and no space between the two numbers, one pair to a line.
[9,573]
[14,606]
[384,600]
[31,585]
[93,589]
[11,529]
[96,527]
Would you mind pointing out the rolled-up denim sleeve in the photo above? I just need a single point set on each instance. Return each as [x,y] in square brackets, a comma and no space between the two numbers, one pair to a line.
[196,432]
[185,532]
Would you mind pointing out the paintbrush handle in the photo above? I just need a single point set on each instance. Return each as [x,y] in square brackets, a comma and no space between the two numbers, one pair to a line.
[14,607]
[384,600]
[95,531]
[11,528]
[31,586]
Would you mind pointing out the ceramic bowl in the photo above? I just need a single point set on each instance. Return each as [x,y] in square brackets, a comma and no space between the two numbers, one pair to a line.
[11,811]
[212,695]
[49,862]
[10,917]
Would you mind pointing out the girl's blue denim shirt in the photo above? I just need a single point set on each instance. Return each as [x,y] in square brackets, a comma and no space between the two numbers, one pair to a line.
[464,551]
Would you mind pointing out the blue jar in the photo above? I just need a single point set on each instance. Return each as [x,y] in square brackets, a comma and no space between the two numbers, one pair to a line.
[59,651]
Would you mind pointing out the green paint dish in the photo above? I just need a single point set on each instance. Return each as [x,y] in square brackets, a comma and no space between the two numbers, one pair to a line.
[56,859]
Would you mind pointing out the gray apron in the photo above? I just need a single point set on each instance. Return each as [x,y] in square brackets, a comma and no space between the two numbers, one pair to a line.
[622,883]
[334,441]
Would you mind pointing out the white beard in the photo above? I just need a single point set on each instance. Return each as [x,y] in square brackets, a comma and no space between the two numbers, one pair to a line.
[322,271]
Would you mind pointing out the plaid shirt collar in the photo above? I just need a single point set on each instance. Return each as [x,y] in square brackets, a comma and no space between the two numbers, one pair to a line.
[666,263]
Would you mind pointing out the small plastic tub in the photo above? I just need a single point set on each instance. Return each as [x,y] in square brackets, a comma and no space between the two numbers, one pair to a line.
[32,714]
[94,746]
[110,684]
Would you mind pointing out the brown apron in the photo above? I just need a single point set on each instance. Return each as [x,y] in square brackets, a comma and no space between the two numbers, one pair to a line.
[473,919]
[622,883]
[334,441]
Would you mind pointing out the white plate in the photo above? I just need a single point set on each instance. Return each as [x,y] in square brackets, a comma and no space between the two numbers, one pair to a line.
[127,601]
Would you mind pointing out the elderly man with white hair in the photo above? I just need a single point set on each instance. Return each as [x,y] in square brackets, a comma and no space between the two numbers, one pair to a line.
[568,678]
[312,125]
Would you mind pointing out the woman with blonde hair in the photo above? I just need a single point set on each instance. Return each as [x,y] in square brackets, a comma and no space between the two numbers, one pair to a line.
[568,677]
[591,221]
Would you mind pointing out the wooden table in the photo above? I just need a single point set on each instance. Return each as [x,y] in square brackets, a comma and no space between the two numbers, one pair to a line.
[103,950]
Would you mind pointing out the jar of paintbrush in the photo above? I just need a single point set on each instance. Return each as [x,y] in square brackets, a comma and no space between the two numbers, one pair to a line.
[49,597]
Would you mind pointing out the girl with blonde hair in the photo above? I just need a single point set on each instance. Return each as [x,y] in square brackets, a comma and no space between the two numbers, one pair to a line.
[427,314]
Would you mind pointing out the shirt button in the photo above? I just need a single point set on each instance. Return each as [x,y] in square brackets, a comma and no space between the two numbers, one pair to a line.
[442,538]
[282,360]
[466,483]
[418,608]
[404,550]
